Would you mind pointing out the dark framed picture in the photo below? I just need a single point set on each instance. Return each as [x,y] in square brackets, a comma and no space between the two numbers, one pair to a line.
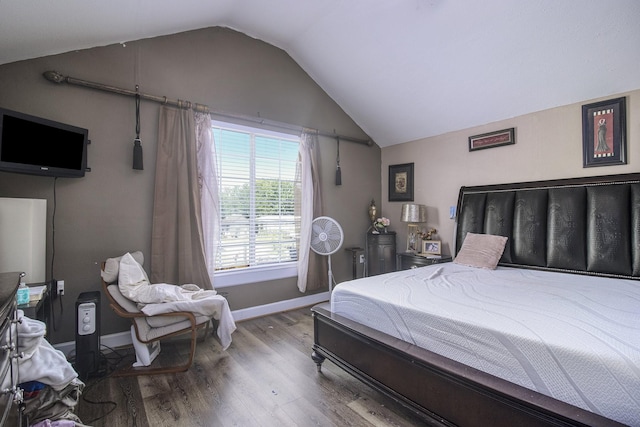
[401,183]
[492,139]
[604,133]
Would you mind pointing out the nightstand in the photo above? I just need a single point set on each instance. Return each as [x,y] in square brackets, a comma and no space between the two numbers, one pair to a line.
[381,253]
[39,309]
[408,260]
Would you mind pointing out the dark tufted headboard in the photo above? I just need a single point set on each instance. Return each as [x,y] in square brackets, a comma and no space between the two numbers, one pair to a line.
[579,225]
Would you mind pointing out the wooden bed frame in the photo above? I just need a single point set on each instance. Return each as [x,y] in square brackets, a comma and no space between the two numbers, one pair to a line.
[559,225]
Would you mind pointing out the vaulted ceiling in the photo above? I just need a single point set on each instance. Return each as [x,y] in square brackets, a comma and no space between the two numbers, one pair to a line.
[402,69]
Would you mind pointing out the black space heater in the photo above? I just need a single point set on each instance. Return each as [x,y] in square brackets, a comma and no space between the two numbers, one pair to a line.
[87,334]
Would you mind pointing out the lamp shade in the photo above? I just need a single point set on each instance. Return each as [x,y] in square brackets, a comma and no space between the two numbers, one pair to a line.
[412,212]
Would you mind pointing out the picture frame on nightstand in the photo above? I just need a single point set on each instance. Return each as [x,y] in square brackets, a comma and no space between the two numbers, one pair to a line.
[431,247]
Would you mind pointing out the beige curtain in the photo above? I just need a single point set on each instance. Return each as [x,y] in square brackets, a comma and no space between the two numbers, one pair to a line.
[177,249]
[312,268]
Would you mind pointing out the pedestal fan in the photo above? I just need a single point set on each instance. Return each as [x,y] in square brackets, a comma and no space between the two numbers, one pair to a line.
[326,239]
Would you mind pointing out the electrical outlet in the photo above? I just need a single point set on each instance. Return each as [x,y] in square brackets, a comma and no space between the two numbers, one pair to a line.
[60,290]
[362,259]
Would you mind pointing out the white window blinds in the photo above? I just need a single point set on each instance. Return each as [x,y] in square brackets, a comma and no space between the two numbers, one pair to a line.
[256,177]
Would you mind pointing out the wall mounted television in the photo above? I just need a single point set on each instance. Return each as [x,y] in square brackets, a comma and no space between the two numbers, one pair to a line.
[38,146]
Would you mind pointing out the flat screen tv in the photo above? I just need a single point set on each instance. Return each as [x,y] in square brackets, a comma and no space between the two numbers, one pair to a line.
[38,146]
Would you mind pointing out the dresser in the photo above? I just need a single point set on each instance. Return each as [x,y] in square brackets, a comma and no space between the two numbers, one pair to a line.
[381,253]
[10,395]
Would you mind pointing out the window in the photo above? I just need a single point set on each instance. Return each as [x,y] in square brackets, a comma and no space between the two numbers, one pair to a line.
[256,177]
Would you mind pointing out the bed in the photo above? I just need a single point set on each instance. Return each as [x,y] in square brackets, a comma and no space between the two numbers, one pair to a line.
[572,241]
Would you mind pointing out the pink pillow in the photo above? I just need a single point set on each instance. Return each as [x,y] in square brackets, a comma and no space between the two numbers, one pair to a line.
[481,250]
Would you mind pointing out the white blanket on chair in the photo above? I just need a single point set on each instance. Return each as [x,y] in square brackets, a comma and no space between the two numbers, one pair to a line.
[161,298]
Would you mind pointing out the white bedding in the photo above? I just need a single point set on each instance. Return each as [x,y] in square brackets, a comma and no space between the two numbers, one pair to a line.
[572,337]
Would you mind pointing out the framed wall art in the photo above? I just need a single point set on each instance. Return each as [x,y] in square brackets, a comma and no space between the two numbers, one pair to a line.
[401,183]
[492,139]
[604,134]
[431,247]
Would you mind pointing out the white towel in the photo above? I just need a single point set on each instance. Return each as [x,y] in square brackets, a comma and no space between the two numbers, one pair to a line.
[47,365]
[40,362]
[31,332]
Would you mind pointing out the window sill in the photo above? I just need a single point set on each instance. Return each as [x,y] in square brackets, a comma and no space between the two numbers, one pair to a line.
[223,279]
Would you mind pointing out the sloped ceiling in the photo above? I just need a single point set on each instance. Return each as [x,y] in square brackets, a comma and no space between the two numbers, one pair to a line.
[402,69]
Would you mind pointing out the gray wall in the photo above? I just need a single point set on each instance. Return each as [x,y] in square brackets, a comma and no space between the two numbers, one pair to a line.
[109,211]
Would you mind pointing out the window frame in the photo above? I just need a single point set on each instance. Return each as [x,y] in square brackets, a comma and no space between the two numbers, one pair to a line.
[257,273]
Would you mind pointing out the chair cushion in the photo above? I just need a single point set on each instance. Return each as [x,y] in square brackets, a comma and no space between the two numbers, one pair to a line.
[125,303]
[152,321]
[147,333]
[112,267]
[162,321]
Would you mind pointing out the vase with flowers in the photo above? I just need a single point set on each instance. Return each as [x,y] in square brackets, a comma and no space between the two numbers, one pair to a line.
[380,224]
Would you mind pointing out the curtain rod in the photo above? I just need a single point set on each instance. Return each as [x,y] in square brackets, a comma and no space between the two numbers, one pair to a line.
[55,77]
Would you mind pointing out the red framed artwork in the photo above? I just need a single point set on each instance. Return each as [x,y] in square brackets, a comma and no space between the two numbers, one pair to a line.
[604,133]
[492,139]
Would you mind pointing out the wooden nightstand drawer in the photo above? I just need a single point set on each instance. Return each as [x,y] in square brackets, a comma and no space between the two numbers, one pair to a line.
[409,260]
[384,239]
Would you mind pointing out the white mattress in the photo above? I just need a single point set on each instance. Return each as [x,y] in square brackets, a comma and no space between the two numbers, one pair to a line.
[572,337]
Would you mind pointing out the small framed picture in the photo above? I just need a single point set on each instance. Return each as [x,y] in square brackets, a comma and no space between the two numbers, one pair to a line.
[401,183]
[492,139]
[431,247]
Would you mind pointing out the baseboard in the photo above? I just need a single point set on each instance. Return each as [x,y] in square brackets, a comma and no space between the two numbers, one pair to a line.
[277,307]
[121,339]
[116,340]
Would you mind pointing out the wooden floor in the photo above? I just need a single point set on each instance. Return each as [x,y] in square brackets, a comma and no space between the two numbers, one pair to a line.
[266,378]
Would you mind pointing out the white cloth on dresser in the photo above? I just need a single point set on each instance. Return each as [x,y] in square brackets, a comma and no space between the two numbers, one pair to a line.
[41,362]
[572,337]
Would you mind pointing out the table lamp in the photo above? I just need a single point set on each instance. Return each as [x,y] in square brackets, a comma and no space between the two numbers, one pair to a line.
[413,214]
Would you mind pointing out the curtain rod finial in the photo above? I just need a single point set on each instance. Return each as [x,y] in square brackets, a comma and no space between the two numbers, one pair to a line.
[54,76]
